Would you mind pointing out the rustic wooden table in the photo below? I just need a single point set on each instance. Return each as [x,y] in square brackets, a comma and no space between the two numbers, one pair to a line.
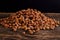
[7,34]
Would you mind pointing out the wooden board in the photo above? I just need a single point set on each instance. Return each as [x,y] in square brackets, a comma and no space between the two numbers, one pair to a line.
[7,34]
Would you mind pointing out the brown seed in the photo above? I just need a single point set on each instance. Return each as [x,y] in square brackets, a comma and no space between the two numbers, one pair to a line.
[25,28]
[41,27]
[52,27]
[47,28]
[30,31]
[57,25]
[14,29]
[37,29]
[34,31]
[23,32]
[6,25]
[31,27]
[19,27]
[28,28]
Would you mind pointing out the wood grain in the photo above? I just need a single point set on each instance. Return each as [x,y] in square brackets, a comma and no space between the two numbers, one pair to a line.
[7,34]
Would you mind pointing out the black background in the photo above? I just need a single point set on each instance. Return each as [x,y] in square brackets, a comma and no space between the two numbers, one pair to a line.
[42,5]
